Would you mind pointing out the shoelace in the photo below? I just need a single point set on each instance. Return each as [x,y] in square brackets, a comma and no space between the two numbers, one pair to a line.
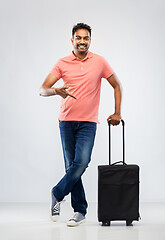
[56,208]
[75,216]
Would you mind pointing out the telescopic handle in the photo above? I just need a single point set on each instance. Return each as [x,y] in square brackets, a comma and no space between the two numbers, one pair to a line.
[123,125]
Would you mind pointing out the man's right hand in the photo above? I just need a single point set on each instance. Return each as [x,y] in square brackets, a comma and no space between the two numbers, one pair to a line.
[63,92]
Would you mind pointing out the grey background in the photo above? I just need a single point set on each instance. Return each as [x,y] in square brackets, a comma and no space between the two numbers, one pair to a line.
[34,35]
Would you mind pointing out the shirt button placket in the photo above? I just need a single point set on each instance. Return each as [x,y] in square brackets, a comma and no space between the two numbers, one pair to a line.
[81,66]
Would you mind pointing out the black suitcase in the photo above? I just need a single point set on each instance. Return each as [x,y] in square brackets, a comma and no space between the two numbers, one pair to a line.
[118,190]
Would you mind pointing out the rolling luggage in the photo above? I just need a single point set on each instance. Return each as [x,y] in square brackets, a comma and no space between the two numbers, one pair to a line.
[118,189]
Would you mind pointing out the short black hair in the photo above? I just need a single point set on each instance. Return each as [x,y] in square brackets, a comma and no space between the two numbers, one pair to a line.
[81,26]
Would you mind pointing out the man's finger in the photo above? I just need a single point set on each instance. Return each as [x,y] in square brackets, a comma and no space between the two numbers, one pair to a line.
[115,122]
[69,94]
[65,87]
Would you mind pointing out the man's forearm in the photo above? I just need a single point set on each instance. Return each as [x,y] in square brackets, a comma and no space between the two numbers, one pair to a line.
[46,92]
[117,95]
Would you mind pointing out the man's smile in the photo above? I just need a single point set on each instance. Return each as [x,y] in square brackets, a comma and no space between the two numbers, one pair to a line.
[82,46]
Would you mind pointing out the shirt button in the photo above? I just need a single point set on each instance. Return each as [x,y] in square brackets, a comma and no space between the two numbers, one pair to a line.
[82,68]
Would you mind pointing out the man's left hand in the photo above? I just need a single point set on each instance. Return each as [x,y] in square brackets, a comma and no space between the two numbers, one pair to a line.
[115,119]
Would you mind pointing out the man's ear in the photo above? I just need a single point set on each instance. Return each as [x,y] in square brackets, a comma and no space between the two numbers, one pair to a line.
[71,40]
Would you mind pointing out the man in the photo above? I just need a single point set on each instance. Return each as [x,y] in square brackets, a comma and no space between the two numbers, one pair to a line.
[81,72]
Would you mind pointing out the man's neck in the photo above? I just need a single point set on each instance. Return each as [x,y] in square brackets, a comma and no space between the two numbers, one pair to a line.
[80,55]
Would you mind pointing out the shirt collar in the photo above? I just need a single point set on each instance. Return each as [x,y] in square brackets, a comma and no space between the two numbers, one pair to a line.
[73,57]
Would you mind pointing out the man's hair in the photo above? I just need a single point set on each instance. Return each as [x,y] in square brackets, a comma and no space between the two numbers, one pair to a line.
[81,26]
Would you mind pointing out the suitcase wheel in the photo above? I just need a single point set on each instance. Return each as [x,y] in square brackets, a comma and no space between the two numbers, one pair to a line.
[107,223]
[129,222]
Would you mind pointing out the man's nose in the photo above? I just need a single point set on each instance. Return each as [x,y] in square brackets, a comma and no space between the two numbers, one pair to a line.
[82,40]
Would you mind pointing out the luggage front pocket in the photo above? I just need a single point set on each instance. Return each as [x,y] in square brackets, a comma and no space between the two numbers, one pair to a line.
[119,201]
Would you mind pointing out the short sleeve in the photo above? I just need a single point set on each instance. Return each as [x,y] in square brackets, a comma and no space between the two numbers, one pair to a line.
[107,69]
[56,70]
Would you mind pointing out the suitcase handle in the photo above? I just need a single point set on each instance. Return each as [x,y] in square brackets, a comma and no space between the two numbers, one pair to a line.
[123,124]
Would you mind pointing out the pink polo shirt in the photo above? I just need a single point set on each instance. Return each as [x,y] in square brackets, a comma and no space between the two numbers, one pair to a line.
[84,80]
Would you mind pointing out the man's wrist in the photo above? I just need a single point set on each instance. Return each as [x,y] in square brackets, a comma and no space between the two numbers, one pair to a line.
[117,113]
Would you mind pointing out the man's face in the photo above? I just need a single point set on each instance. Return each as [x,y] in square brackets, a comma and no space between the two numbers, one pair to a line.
[81,40]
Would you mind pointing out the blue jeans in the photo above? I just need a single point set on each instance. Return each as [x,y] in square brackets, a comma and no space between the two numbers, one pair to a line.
[77,141]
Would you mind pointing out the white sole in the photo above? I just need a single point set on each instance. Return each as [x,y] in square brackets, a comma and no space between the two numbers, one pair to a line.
[74,224]
[54,218]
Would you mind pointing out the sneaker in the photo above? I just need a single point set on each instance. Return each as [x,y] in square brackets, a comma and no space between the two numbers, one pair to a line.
[76,220]
[55,208]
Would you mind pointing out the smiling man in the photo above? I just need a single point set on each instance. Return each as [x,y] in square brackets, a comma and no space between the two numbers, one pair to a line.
[81,72]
